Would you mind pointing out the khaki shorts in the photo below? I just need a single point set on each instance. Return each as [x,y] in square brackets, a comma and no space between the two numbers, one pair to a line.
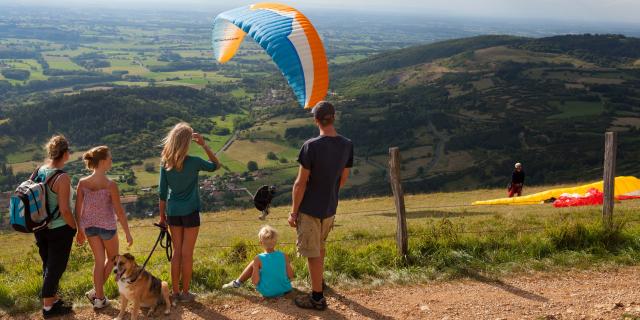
[312,234]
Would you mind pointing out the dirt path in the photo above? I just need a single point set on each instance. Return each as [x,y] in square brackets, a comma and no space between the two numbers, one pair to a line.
[438,150]
[610,294]
[229,142]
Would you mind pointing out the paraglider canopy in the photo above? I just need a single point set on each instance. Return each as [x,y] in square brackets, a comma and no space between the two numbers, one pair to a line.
[287,36]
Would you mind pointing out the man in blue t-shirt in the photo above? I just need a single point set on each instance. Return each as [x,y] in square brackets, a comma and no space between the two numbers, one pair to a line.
[324,168]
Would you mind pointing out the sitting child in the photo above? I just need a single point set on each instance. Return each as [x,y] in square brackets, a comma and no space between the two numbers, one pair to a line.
[270,271]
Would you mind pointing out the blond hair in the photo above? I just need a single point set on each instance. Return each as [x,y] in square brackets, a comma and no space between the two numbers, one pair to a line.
[268,237]
[176,146]
[93,157]
[56,147]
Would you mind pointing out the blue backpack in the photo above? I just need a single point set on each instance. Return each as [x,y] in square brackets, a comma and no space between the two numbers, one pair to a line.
[28,206]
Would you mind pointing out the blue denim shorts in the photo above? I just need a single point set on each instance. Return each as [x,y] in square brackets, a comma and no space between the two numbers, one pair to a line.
[104,234]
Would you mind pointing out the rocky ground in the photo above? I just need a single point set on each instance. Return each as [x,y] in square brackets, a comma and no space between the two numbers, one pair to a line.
[605,294]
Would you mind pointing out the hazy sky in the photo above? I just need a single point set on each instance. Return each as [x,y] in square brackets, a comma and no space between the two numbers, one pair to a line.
[623,11]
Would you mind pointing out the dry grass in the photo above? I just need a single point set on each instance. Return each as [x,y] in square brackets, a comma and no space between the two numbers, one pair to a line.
[447,237]
[501,54]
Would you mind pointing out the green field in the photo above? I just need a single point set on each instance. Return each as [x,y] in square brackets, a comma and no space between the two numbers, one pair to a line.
[347,58]
[61,63]
[25,64]
[447,239]
[26,154]
[572,109]
[145,179]
[131,66]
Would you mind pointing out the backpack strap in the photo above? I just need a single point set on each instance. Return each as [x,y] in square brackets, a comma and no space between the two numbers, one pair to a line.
[54,177]
[34,175]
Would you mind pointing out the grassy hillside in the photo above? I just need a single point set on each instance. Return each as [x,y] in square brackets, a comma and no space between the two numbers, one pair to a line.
[419,54]
[464,111]
[448,239]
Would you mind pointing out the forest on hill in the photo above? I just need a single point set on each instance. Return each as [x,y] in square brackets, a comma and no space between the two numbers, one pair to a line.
[488,102]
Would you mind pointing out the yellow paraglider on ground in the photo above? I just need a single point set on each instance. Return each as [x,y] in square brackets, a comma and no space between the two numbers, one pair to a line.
[624,186]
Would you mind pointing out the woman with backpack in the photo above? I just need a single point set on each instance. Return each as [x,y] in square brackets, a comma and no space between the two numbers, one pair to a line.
[180,201]
[54,242]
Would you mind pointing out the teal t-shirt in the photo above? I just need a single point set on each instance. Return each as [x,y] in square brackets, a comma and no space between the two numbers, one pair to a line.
[180,188]
[52,197]
[274,281]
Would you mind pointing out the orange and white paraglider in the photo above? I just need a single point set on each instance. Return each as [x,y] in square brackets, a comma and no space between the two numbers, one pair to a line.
[287,36]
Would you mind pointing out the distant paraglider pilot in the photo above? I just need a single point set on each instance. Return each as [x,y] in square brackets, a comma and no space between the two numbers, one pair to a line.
[517,181]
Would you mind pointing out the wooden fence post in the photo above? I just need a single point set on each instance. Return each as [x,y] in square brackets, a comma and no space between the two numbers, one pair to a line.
[610,146]
[402,238]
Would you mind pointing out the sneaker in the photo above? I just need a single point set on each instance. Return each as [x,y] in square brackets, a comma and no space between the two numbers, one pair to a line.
[187,297]
[58,309]
[91,295]
[175,297]
[307,302]
[235,284]
[100,303]
[59,302]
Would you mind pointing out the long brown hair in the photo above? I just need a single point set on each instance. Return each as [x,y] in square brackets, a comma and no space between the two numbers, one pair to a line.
[93,157]
[176,146]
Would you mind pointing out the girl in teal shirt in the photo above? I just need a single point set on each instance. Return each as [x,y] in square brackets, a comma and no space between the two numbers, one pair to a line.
[180,201]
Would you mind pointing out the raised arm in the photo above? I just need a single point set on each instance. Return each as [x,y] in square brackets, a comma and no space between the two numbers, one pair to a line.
[117,206]
[210,154]
[299,188]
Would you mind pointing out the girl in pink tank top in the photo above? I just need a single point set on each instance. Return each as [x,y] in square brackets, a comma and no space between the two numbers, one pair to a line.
[97,208]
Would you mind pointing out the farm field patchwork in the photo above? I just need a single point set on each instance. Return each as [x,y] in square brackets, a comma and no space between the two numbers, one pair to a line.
[572,109]
[62,63]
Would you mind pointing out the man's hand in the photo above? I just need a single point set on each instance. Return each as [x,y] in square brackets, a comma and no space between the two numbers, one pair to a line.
[293,219]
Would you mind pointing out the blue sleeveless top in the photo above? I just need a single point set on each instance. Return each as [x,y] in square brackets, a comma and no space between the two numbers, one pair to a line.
[44,173]
[274,281]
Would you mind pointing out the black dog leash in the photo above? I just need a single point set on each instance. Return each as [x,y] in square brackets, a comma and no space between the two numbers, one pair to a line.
[166,244]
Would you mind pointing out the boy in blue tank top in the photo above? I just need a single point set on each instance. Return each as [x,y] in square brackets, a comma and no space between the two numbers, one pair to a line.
[270,271]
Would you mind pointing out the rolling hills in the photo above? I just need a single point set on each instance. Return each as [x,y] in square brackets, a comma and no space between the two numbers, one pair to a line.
[465,110]
[462,111]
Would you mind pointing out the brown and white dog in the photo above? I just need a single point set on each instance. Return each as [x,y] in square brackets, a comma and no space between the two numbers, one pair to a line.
[140,287]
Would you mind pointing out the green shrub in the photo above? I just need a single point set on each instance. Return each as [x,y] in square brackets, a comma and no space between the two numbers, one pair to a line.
[6,298]
[594,237]
[209,276]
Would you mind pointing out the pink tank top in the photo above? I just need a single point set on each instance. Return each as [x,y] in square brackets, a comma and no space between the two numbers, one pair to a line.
[97,210]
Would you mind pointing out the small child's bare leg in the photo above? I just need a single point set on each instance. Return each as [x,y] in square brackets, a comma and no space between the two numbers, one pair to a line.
[246,274]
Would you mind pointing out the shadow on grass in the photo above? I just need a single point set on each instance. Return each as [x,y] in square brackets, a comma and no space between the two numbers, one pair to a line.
[504,286]
[435,214]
